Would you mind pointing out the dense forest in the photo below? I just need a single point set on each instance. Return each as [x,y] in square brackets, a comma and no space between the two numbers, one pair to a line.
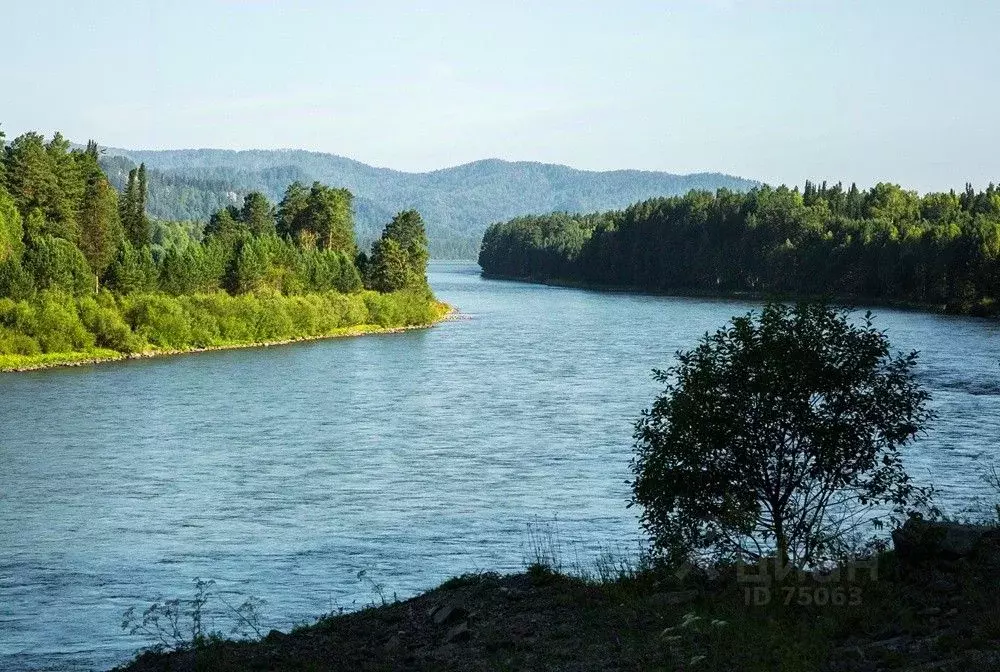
[884,244]
[83,268]
[457,203]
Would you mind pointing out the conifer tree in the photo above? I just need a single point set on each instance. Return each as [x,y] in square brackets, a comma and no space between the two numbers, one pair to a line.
[407,229]
[258,214]
[133,208]
[291,210]
[100,228]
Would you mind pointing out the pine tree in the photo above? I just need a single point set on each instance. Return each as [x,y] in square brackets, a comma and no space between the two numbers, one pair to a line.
[258,214]
[133,208]
[388,268]
[28,173]
[407,229]
[64,202]
[328,217]
[292,209]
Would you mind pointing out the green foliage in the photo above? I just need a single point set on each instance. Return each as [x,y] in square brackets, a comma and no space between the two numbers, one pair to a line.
[54,322]
[399,258]
[292,210]
[158,320]
[258,214]
[133,270]
[779,434]
[133,209]
[101,232]
[30,175]
[15,282]
[56,263]
[11,231]
[328,219]
[881,244]
[388,268]
[249,267]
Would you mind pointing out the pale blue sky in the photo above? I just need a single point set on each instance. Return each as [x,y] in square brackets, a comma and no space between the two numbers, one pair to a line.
[779,91]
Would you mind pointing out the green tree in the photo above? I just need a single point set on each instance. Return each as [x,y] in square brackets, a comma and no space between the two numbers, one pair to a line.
[249,268]
[225,225]
[132,209]
[779,434]
[11,230]
[142,189]
[133,270]
[407,229]
[30,179]
[292,210]
[65,200]
[328,217]
[258,214]
[56,263]
[100,229]
[388,268]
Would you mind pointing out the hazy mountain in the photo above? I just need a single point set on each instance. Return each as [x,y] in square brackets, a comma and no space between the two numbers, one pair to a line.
[457,203]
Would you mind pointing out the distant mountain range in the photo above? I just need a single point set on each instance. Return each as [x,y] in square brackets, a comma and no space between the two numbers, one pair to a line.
[456,203]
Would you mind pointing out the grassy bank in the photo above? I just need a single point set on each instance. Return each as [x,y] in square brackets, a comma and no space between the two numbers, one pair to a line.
[60,330]
[897,611]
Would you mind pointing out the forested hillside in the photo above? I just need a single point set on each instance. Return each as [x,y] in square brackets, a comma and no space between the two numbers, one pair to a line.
[85,272]
[457,203]
[885,243]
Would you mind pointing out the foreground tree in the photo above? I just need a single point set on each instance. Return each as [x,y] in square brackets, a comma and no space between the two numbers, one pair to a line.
[780,434]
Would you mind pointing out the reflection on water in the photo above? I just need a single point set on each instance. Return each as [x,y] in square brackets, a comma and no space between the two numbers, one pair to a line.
[282,472]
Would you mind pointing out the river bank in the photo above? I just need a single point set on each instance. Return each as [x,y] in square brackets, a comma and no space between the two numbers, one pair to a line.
[25,363]
[973,310]
[920,607]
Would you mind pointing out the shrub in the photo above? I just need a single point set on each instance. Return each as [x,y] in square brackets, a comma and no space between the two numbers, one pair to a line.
[107,325]
[14,343]
[57,326]
[781,433]
[158,319]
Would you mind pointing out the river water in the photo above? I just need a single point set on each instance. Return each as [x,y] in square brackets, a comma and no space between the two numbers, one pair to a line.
[281,473]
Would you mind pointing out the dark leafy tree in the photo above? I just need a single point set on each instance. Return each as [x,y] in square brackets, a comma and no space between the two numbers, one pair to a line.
[249,268]
[64,202]
[779,434]
[30,179]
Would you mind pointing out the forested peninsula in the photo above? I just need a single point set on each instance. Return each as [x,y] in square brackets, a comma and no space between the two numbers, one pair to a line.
[85,275]
[885,244]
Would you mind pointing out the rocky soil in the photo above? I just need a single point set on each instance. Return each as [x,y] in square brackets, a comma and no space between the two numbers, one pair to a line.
[932,604]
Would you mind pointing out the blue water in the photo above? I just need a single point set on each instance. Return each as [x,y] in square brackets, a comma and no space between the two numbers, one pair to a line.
[283,472]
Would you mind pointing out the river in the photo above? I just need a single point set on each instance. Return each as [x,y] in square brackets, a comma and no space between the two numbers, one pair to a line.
[281,473]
